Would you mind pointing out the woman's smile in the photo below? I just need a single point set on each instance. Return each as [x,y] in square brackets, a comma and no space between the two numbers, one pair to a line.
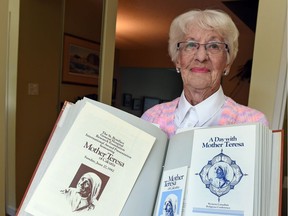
[200,70]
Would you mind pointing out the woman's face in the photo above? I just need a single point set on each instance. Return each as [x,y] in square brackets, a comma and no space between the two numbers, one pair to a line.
[84,187]
[201,70]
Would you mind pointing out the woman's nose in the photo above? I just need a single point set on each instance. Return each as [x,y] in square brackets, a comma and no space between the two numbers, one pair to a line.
[201,53]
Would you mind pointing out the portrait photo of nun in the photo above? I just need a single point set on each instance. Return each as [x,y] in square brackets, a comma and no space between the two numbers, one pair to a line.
[84,191]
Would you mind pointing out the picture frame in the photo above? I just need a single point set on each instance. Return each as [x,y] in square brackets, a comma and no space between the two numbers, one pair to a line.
[81,60]
[149,102]
[127,100]
[136,104]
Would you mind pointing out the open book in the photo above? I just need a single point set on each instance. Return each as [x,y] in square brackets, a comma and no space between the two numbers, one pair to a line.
[100,160]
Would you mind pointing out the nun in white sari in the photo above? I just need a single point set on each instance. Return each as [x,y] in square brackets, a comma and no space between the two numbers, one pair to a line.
[83,197]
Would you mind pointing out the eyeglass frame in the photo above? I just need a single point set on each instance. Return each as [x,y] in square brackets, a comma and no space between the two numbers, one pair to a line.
[205,44]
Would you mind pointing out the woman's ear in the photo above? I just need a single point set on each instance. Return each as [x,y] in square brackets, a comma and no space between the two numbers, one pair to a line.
[226,70]
[177,63]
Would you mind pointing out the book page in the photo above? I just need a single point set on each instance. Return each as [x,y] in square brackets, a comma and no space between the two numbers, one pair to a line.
[276,178]
[95,167]
[221,175]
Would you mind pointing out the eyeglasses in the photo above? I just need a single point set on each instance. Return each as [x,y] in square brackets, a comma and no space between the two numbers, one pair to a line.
[213,47]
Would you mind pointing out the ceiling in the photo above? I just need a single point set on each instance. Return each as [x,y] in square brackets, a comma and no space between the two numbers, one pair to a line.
[144,24]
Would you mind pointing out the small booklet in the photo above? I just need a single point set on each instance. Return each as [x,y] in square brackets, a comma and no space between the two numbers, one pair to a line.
[172,191]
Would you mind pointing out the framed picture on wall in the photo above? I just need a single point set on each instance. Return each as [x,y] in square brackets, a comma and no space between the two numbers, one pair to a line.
[149,102]
[136,104]
[80,61]
[127,100]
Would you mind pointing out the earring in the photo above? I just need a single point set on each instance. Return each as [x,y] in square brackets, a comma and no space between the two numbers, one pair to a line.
[178,70]
[226,72]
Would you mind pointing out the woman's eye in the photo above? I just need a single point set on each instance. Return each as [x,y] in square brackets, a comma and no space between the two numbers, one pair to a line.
[191,45]
[213,46]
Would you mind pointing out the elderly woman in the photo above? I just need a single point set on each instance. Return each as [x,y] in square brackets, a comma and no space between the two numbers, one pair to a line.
[203,46]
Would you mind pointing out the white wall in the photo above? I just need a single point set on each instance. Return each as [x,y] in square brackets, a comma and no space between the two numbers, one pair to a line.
[269,42]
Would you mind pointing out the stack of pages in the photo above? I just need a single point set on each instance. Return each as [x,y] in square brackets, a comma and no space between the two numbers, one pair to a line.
[100,160]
